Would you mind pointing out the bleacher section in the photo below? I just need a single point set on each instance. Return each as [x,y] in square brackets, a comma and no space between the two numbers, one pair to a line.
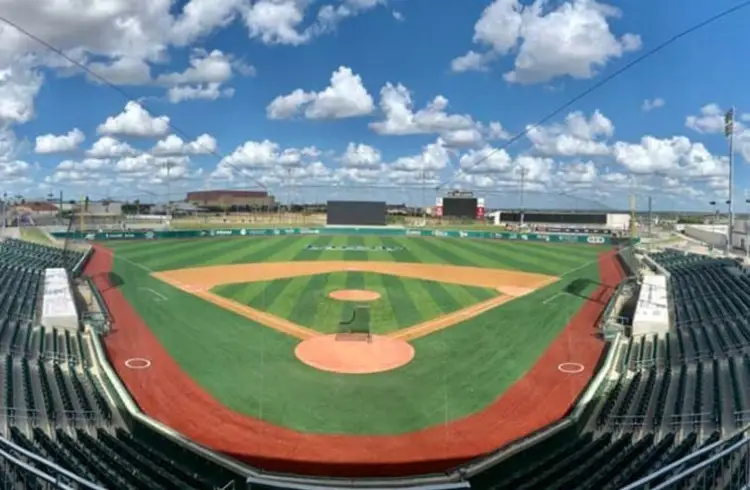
[53,404]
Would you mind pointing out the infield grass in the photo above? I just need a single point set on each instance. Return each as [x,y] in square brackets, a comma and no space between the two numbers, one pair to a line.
[403,301]
[456,372]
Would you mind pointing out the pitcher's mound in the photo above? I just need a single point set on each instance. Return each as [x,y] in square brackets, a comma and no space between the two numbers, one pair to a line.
[354,295]
[343,356]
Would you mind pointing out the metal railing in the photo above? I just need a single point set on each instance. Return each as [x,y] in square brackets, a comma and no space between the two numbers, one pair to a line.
[726,462]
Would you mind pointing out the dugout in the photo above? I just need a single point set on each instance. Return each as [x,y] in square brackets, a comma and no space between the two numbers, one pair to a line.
[356,213]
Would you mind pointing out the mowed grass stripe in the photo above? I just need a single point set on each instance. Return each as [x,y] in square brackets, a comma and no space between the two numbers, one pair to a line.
[147,250]
[269,249]
[571,256]
[354,241]
[401,255]
[405,311]
[268,295]
[328,313]
[446,254]
[424,302]
[417,252]
[501,256]
[382,317]
[442,295]
[558,258]
[309,299]
[192,257]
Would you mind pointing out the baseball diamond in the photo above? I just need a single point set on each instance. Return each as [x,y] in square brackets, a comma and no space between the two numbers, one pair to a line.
[240,337]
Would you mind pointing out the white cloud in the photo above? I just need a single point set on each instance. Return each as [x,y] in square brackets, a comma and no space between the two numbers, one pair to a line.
[204,78]
[135,121]
[50,143]
[577,136]
[283,21]
[572,40]
[709,120]
[456,130]
[19,86]
[174,145]
[345,97]
[361,156]
[109,147]
[651,104]
[676,157]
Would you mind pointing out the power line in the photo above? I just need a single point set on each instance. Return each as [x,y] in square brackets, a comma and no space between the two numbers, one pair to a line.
[600,84]
[122,92]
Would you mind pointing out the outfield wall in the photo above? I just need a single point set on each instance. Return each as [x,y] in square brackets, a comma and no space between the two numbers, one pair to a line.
[385,231]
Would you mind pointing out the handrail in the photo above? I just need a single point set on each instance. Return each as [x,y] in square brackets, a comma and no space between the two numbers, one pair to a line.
[59,469]
[677,464]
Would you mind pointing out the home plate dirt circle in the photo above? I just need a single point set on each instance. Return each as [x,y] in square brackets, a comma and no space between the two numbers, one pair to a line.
[354,295]
[331,353]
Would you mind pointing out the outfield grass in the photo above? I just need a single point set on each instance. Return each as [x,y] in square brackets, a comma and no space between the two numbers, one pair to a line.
[403,301]
[456,372]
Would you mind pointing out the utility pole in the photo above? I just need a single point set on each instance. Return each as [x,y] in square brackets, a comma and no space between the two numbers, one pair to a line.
[289,194]
[649,217]
[5,210]
[523,182]
[169,193]
[729,133]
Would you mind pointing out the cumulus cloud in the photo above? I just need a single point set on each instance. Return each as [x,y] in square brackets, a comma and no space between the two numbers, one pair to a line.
[345,97]
[135,121]
[574,39]
[50,143]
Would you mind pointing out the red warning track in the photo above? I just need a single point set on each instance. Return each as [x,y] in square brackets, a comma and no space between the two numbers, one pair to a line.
[167,394]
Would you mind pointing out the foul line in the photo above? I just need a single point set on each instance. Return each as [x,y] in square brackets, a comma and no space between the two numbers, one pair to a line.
[266,319]
[445,321]
[156,293]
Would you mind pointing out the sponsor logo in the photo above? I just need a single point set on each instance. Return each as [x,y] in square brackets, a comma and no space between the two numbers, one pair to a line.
[353,248]
[413,233]
[309,231]
[595,239]
[212,233]
[513,236]
[462,234]
[223,232]
[277,232]
[90,236]
[149,235]
[243,232]
[524,237]
[439,233]
[255,232]
[203,233]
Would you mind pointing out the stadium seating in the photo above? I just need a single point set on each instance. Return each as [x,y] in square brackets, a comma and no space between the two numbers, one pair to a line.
[54,404]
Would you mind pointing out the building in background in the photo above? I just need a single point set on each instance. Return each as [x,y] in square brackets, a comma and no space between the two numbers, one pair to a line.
[227,199]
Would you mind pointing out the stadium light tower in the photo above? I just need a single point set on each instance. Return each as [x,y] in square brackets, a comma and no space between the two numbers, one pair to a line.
[729,133]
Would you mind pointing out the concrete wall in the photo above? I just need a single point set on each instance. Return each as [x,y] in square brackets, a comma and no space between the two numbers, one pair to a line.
[715,235]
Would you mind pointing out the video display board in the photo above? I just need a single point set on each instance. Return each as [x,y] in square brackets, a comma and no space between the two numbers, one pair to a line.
[460,207]
[365,213]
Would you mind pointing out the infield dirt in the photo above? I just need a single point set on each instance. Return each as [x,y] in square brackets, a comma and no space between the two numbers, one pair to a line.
[200,280]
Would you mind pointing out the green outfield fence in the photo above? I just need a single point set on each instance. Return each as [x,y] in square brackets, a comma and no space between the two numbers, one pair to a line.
[254,232]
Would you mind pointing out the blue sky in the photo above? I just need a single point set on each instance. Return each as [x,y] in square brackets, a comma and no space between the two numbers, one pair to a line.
[372,99]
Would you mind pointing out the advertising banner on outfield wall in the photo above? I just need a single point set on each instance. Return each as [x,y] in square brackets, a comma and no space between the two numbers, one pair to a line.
[255,232]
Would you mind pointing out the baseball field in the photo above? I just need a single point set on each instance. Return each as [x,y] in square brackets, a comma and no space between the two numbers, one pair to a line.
[237,342]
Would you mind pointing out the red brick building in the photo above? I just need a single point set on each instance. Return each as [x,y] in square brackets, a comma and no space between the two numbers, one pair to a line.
[229,198]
